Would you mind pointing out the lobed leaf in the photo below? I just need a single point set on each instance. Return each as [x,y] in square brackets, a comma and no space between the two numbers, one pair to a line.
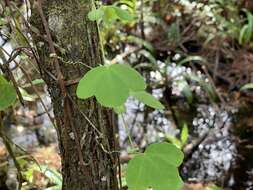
[129,76]
[147,99]
[111,91]
[87,85]
[96,14]
[111,85]
[109,13]
[123,14]
[156,168]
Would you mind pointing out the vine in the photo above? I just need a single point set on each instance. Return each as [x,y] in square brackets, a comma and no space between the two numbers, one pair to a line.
[112,84]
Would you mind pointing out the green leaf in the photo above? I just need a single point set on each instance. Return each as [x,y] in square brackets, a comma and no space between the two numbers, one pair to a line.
[187,92]
[184,134]
[149,56]
[52,174]
[250,25]
[38,81]
[96,14]
[111,84]
[123,14]
[247,86]
[147,99]
[213,187]
[120,109]
[210,90]
[205,85]
[246,31]
[34,82]
[101,82]
[87,85]
[174,140]
[156,168]
[174,34]
[140,41]
[191,58]
[111,91]
[243,36]
[129,76]
[109,14]
[7,94]
[194,77]
[2,21]
[26,96]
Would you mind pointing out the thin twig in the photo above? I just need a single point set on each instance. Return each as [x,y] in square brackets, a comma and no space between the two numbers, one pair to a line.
[23,150]
[34,88]
[85,117]
[11,152]
[51,48]
[5,69]
[37,93]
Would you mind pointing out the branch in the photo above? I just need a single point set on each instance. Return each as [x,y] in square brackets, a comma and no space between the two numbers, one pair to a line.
[5,69]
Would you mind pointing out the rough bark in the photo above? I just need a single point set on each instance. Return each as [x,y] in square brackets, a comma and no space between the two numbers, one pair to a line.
[78,45]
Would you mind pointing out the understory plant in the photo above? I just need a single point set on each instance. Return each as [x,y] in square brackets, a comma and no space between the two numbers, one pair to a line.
[112,84]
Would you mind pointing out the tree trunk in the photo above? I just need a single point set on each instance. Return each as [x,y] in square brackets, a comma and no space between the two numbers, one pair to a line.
[85,129]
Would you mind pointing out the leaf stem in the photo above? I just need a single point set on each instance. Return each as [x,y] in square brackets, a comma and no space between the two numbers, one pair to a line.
[101,42]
